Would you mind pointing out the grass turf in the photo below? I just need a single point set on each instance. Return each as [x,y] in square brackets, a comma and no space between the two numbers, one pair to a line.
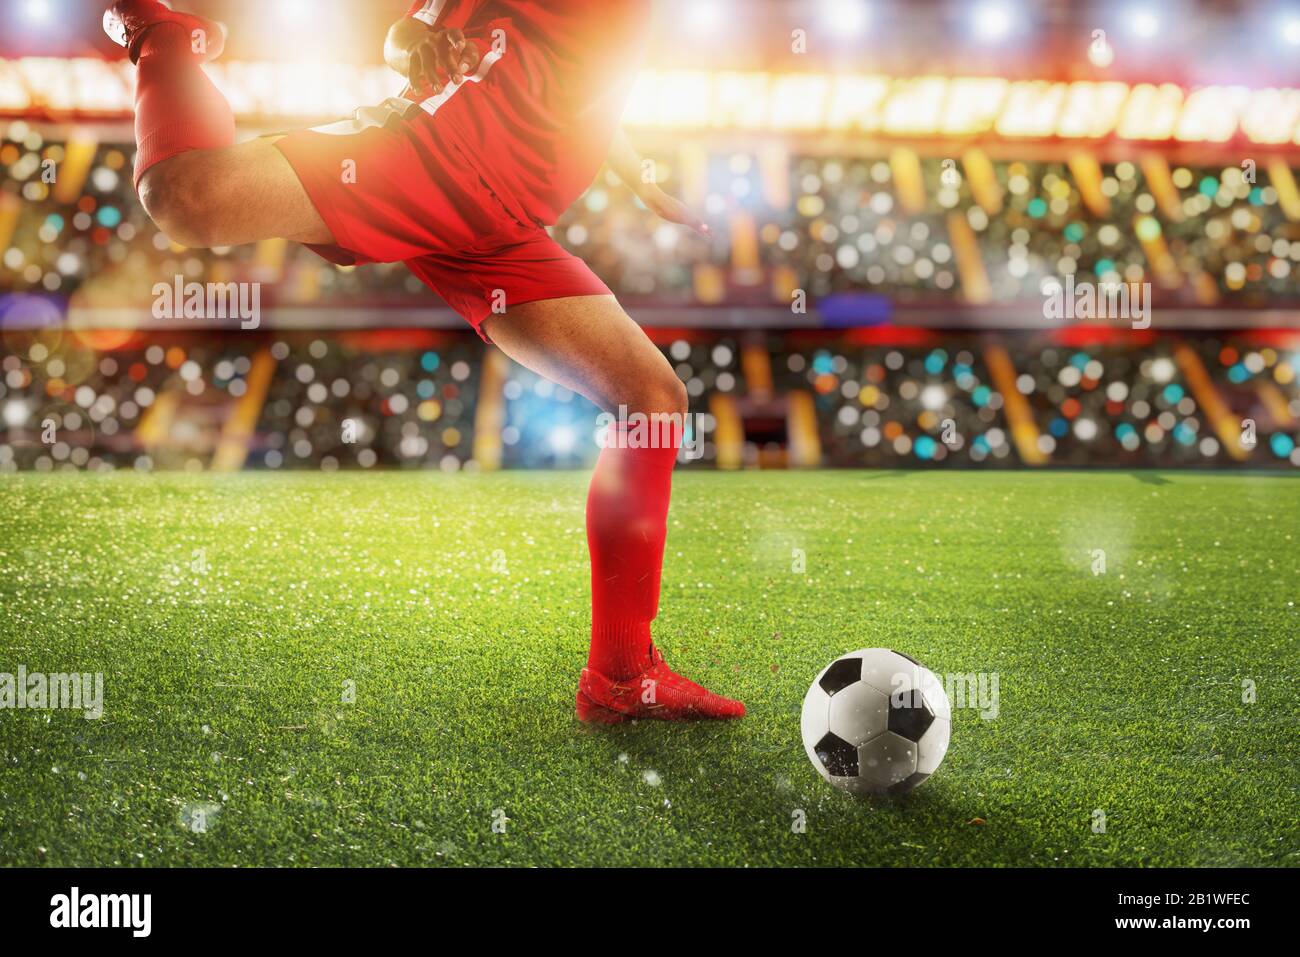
[458,607]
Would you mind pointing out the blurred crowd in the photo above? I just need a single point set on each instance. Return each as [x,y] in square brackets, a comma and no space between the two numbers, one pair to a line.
[884,405]
[70,224]
[414,399]
[352,403]
[908,228]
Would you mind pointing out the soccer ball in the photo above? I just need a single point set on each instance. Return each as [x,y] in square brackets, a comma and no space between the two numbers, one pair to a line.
[876,722]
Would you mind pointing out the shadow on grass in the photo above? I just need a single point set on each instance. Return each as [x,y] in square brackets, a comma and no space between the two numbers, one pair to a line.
[762,787]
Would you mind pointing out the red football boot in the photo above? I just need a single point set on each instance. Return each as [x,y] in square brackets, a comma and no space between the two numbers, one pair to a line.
[127,21]
[658,692]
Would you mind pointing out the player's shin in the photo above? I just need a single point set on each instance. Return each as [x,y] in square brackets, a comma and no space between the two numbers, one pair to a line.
[177,108]
[627,513]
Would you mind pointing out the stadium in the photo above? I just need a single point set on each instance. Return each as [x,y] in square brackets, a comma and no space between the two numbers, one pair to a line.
[992,357]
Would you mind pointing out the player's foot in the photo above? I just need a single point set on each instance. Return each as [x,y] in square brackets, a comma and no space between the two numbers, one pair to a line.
[127,21]
[658,692]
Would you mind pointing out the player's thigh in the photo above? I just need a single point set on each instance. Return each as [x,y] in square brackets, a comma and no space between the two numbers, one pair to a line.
[590,345]
[238,194]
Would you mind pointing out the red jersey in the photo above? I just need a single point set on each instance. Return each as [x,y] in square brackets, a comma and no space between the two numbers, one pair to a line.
[537,118]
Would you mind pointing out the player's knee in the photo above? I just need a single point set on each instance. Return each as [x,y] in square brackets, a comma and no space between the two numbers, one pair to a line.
[661,393]
[180,206]
[677,394]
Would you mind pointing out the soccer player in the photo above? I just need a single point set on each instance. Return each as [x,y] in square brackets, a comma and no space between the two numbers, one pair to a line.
[511,108]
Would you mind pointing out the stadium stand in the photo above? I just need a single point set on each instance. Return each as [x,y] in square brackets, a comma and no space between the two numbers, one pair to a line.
[408,399]
[909,230]
[889,225]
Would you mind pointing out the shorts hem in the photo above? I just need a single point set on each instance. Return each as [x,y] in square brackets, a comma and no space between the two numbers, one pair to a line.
[318,193]
[585,293]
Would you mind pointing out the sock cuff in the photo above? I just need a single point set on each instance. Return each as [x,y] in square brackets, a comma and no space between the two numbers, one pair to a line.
[164,142]
[620,648]
[651,446]
[655,430]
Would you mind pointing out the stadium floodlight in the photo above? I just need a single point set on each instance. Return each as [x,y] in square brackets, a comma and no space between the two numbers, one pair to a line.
[15,413]
[1289,29]
[294,11]
[36,11]
[563,439]
[1162,370]
[934,397]
[992,21]
[705,19]
[846,18]
[1143,22]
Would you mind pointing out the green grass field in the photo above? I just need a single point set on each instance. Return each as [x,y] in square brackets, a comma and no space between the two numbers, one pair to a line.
[457,607]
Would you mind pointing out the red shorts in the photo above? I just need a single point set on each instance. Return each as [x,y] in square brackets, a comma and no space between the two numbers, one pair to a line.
[386,200]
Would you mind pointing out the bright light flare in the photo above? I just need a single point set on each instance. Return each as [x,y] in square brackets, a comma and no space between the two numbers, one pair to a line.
[1143,23]
[934,397]
[562,439]
[294,11]
[15,413]
[36,11]
[1289,29]
[1163,369]
[705,18]
[992,21]
[846,18]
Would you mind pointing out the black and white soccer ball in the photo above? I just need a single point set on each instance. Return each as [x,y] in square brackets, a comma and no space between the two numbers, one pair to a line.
[876,722]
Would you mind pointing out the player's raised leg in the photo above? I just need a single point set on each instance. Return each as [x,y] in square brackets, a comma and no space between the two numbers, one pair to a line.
[230,196]
[590,345]
[199,187]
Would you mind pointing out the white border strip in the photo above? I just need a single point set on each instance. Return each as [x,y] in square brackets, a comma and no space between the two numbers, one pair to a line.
[434,103]
[430,12]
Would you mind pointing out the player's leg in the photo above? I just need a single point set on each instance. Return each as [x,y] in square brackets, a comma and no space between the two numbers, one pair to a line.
[199,187]
[229,196]
[590,345]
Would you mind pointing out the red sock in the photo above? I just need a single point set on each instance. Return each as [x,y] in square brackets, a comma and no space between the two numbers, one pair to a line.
[627,525]
[177,108]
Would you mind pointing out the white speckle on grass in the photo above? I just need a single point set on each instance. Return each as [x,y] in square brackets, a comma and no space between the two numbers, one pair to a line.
[651,777]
